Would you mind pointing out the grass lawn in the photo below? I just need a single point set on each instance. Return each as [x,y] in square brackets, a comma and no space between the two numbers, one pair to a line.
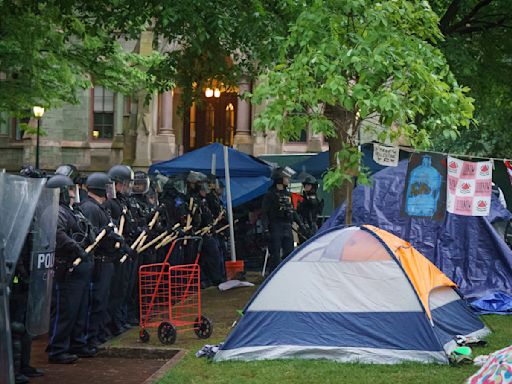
[221,308]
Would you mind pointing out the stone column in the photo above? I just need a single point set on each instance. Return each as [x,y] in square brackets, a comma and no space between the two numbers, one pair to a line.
[243,138]
[145,128]
[163,145]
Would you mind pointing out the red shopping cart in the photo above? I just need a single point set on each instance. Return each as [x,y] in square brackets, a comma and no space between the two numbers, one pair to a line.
[170,297]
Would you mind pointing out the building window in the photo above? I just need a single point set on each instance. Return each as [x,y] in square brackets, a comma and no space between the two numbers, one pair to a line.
[302,138]
[103,113]
[17,132]
[5,127]
[230,123]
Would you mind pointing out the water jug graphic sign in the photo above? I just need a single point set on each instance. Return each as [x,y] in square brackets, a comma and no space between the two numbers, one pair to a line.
[425,193]
[469,187]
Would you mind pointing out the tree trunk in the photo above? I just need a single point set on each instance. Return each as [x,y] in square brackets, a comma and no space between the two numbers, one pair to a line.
[342,120]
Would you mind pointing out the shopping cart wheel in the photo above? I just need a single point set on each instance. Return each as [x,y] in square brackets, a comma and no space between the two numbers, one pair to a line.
[204,327]
[166,333]
[144,336]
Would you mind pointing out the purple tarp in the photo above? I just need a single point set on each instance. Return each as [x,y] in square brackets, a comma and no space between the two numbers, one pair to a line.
[467,249]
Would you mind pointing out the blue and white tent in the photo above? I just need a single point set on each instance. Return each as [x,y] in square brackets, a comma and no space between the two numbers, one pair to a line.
[357,294]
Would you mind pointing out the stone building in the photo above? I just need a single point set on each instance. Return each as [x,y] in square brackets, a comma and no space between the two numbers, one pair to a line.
[107,128]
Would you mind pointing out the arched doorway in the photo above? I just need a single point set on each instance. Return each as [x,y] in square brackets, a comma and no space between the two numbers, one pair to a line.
[212,120]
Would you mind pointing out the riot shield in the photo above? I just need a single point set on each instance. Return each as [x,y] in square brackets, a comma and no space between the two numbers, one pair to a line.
[42,256]
[18,199]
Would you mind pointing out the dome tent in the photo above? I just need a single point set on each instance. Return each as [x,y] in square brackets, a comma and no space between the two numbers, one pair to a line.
[357,294]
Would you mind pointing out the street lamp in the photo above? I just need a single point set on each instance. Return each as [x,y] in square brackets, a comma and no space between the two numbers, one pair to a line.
[38,113]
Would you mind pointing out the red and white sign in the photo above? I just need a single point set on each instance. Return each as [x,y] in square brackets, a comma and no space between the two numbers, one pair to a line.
[469,187]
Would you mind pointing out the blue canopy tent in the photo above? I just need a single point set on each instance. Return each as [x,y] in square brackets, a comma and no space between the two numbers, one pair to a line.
[250,177]
[467,249]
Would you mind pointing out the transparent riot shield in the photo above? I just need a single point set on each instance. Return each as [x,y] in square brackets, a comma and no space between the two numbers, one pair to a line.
[42,256]
[18,200]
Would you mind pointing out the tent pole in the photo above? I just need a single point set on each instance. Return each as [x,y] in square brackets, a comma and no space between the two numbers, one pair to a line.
[229,204]
[214,163]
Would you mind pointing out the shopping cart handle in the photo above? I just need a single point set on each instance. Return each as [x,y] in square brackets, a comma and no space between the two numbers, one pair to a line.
[193,238]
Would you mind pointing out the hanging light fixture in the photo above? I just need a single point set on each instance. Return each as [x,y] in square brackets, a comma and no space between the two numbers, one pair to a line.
[216,93]
[209,92]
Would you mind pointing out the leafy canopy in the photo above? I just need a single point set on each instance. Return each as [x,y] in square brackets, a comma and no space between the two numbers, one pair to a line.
[369,61]
[478,48]
[51,49]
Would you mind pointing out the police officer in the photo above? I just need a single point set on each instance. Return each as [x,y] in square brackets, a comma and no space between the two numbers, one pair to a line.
[141,212]
[211,257]
[104,255]
[67,336]
[217,209]
[278,215]
[310,208]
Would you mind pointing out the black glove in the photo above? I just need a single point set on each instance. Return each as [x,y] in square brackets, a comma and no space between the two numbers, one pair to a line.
[85,256]
[132,253]
[115,237]
[266,236]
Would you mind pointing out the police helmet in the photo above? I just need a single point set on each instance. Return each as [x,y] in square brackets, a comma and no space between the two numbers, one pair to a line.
[70,171]
[196,177]
[121,173]
[140,183]
[310,180]
[279,173]
[31,171]
[63,183]
[59,181]
[97,183]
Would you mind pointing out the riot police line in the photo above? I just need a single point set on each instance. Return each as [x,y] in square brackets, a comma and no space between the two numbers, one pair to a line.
[76,278]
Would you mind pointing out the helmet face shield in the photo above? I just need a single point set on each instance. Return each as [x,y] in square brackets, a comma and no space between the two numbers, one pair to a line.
[140,186]
[111,191]
[123,186]
[77,194]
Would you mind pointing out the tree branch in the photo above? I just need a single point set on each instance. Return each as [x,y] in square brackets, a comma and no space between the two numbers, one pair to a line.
[468,18]
[449,15]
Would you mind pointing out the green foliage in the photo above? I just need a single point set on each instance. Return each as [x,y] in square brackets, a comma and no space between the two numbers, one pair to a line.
[50,50]
[478,47]
[367,60]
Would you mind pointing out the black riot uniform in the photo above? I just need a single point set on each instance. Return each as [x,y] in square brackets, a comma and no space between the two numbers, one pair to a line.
[141,213]
[217,209]
[104,255]
[310,208]
[68,319]
[277,217]
[211,257]
[118,206]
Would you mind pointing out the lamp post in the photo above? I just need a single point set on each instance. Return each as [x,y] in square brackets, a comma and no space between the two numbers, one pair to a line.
[38,113]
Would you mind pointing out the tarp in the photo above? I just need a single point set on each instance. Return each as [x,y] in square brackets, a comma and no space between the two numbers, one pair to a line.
[250,177]
[467,249]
